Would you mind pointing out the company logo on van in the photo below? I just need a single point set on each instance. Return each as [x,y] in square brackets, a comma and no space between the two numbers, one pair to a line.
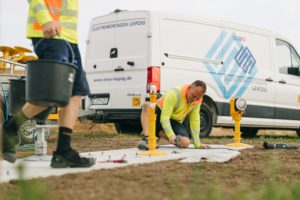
[123,24]
[245,60]
[239,65]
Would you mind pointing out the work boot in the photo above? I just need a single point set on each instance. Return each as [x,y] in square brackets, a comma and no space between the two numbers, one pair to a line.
[143,144]
[178,141]
[9,140]
[70,158]
[10,135]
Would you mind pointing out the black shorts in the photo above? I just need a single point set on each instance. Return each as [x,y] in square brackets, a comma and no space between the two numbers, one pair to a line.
[63,51]
[182,129]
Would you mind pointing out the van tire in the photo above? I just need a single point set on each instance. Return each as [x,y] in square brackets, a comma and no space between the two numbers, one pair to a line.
[128,127]
[247,132]
[206,119]
[298,132]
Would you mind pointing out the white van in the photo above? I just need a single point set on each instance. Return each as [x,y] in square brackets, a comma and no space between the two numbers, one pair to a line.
[128,50]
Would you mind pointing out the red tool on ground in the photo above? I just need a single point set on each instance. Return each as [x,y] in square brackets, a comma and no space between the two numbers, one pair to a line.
[114,161]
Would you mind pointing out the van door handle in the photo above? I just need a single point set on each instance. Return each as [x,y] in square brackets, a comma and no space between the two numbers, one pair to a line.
[269,79]
[282,81]
[131,63]
[118,69]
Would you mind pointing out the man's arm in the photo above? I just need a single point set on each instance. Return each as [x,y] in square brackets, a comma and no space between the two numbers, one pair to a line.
[50,27]
[40,11]
[195,125]
[167,110]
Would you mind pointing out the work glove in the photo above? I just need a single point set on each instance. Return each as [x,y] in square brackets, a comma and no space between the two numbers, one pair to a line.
[176,140]
[172,139]
[196,141]
[197,144]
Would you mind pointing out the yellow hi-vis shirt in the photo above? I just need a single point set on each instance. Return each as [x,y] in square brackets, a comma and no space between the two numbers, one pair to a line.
[63,11]
[174,106]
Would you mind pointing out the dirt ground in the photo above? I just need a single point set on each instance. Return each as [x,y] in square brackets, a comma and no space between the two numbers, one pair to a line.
[248,173]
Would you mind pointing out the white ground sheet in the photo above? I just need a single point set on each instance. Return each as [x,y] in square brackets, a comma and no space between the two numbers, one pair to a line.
[39,166]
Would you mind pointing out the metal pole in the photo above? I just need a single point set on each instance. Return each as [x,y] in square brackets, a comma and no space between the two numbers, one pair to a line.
[193,59]
[13,63]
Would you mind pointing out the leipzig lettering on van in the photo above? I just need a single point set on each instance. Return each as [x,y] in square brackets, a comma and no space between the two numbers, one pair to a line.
[113,79]
[239,65]
[122,24]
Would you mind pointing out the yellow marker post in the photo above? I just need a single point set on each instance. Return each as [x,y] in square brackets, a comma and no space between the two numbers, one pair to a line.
[236,113]
[152,127]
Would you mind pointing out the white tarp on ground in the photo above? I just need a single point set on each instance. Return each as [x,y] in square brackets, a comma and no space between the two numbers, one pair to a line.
[36,166]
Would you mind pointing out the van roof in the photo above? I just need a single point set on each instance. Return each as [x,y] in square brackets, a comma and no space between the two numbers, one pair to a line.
[226,23]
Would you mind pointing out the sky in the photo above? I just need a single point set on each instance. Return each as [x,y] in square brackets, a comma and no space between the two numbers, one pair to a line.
[280,16]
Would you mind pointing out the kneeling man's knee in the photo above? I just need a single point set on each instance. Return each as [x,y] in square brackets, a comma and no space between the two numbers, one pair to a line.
[185,142]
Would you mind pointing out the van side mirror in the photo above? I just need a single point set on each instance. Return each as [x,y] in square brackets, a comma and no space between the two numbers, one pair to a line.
[293,71]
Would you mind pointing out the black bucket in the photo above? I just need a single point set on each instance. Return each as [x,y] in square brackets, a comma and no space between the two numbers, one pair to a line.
[49,83]
[16,95]
[17,99]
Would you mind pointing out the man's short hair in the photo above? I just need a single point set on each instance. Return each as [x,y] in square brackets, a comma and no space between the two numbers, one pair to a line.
[199,83]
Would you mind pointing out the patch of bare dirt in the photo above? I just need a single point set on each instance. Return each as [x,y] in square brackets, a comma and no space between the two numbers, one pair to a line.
[89,126]
[171,179]
[165,179]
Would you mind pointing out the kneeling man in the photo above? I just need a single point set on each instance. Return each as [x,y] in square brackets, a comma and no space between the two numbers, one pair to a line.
[178,116]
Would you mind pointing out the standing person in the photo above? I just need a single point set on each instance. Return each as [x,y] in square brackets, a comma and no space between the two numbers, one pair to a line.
[52,27]
[178,116]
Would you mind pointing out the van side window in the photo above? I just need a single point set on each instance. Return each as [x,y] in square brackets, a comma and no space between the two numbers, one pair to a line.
[295,58]
[287,58]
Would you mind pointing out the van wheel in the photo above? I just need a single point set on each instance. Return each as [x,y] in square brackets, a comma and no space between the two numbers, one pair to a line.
[206,120]
[248,132]
[298,132]
[128,127]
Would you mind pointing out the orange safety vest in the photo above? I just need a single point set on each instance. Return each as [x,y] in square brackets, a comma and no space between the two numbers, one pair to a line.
[174,106]
[54,7]
[44,11]
[182,108]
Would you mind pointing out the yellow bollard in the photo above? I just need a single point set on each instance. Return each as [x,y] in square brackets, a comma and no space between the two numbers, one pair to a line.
[236,115]
[152,127]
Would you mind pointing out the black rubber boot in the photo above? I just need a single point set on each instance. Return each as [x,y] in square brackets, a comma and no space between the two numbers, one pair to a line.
[10,135]
[9,140]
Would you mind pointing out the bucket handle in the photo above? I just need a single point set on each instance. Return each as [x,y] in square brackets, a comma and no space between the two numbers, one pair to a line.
[69,46]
